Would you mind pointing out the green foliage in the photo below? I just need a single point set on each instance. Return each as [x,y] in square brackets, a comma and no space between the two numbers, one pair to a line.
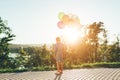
[5,37]
[12,70]
[114,52]
[48,68]
[39,68]
[96,65]
[102,65]
[40,56]
[42,68]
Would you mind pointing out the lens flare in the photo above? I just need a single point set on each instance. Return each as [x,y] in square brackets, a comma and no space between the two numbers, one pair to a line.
[71,35]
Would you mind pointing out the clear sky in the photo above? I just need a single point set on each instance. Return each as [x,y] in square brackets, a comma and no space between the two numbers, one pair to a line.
[35,21]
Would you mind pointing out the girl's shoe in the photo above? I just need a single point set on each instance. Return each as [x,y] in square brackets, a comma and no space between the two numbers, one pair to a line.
[57,73]
[61,72]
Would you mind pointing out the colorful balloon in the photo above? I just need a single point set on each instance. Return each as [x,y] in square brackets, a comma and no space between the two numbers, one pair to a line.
[60,25]
[60,15]
[65,19]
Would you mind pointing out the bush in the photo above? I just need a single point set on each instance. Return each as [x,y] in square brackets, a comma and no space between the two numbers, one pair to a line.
[101,65]
[48,68]
[5,70]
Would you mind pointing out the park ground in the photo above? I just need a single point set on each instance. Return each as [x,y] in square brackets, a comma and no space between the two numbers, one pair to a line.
[68,74]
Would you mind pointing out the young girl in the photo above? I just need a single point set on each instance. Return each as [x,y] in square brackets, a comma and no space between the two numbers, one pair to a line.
[58,53]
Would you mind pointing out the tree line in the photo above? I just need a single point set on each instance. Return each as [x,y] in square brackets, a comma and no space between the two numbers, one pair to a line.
[91,48]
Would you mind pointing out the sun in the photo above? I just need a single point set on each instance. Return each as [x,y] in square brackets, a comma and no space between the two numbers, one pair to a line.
[71,35]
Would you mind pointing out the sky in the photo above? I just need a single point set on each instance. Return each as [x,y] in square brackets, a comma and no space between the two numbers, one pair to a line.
[35,21]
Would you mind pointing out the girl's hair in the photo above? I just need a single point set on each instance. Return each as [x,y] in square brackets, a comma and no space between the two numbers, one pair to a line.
[57,38]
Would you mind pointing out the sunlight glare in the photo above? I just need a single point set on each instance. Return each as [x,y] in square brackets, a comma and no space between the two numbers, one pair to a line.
[71,35]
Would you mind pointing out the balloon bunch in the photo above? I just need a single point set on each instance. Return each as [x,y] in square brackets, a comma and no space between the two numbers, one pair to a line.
[67,20]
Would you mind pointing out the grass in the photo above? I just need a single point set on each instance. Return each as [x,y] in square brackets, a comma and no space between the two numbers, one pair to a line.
[12,70]
[17,70]
[99,65]
[48,68]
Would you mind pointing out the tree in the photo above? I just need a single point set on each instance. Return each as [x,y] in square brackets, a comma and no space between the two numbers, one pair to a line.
[103,49]
[5,37]
[39,56]
[22,58]
[114,52]
[93,39]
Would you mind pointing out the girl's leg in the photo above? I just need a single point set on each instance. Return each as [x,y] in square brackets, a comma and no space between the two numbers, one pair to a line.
[58,67]
[61,67]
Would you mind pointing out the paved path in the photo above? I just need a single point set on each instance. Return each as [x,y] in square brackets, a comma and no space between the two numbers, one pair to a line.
[73,74]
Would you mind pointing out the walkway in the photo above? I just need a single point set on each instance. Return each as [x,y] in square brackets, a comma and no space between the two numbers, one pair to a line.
[73,74]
